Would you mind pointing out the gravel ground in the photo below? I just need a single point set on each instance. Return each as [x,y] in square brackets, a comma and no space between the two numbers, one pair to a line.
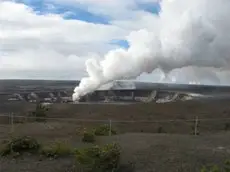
[175,151]
[147,152]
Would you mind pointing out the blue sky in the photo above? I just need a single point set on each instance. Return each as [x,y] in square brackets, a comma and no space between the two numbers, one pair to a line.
[54,38]
[43,7]
[81,12]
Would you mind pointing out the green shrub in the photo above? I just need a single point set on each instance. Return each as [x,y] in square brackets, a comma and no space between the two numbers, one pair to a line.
[215,168]
[110,157]
[56,150]
[88,137]
[40,113]
[227,166]
[211,169]
[20,145]
[104,130]
[99,159]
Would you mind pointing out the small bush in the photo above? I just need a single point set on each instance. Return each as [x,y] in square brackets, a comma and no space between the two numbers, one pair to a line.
[20,145]
[110,157]
[211,169]
[104,130]
[227,166]
[215,168]
[40,113]
[56,150]
[88,137]
[99,159]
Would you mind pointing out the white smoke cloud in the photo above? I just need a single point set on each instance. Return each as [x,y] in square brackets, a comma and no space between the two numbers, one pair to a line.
[189,75]
[186,33]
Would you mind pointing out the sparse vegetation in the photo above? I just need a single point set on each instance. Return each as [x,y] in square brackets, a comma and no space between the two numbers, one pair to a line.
[147,154]
[88,137]
[40,113]
[99,159]
[216,168]
[56,150]
[104,130]
[20,145]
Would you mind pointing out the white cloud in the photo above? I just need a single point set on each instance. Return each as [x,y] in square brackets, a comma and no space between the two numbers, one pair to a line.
[32,42]
[125,14]
[188,33]
[50,47]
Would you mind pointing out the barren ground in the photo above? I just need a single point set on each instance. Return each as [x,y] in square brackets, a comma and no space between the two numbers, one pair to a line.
[176,150]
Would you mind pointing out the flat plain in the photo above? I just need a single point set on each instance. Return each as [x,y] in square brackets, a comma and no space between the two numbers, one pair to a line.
[154,137]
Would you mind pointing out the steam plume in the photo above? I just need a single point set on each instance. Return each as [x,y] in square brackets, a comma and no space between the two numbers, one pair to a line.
[186,33]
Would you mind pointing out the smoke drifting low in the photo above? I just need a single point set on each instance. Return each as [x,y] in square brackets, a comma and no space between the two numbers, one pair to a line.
[186,33]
